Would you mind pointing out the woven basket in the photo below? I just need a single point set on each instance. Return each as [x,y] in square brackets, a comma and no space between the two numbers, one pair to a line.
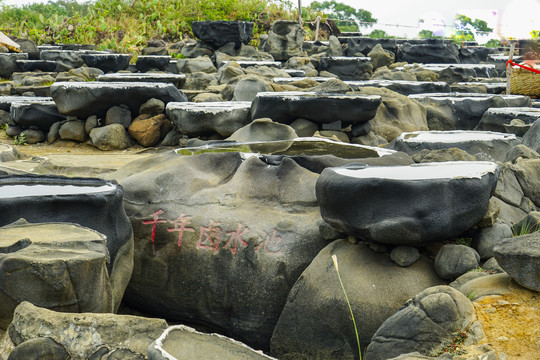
[524,82]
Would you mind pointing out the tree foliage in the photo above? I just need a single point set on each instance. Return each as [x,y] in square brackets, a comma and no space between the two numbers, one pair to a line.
[348,15]
[466,23]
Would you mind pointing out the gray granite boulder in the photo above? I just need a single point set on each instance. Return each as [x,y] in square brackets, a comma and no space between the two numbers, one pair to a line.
[315,322]
[41,114]
[487,238]
[83,99]
[484,145]
[380,57]
[454,260]
[219,33]
[519,257]
[199,64]
[202,221]
[110,137]
[181,342]
[463,111]
[284,40]
[527,172]
[196,119]
[73,130]
[494,119]
[348,68]
[107,62]
[422,324]
[263,130]
[532,137]
[439,200]
[84,336]
[396,114]
[285,107]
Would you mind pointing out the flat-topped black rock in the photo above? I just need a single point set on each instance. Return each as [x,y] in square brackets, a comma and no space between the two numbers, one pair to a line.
[8,63]
[33,65]
[406,205]
[484,145]
[177,79]
[219,33]
[6,101]
[494,119]
[152,62]
[403,87]
[347,68]
[107,62]
[196,119]
[463,111]
[93,203]
[83,99]
[41,114]
[285,107]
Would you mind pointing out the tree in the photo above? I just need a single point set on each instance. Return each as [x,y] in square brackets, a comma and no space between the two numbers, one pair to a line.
[465,24]
[425,34]
[350,17]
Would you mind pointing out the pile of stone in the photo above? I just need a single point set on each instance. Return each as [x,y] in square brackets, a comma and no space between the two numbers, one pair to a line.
[377,157]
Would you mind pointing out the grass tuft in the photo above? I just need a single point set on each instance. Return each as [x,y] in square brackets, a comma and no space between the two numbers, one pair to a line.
[334,259]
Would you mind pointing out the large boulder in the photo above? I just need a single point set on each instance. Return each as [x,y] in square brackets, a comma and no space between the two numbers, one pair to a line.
[284,40]
[315,322]
[219,33]
[396,114]
[364,45]
[422,324]
[220,238]
[94,203]
[406,205]
[72,263]
[520,258]
[83,336]
[83,99]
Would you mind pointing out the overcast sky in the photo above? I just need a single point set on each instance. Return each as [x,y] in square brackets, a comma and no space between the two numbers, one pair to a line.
[515,18]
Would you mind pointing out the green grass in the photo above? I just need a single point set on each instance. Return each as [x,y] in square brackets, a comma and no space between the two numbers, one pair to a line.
[127,25]
[334,259]
[525,227]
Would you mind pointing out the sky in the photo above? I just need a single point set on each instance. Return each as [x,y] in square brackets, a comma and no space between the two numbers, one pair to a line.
[509,18]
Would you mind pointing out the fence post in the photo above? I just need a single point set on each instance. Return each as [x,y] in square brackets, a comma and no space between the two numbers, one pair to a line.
[509,68]
[300,13]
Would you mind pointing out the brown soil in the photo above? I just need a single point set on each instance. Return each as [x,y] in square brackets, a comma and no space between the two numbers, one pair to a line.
[512,323]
